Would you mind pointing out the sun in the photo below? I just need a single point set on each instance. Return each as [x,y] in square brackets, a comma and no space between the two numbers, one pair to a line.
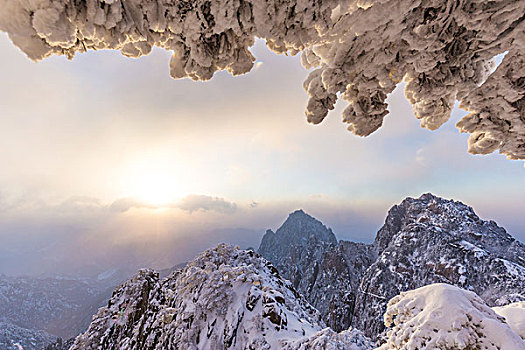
[156,180]
[157,189]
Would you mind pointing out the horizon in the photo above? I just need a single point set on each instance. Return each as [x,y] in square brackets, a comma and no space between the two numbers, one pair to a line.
[233,239]
[113,163]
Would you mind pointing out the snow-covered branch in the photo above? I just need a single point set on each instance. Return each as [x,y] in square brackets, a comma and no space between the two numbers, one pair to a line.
[361,50]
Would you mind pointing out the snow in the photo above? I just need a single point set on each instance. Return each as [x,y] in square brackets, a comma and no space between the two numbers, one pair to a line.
[442,316]
[513,269]
[514,315]
[327,339]
[478,252]
[225,298]
[14,337]
[358,51]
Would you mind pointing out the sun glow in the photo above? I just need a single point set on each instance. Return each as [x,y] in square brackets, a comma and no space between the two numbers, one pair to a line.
[155,182]
[158,189]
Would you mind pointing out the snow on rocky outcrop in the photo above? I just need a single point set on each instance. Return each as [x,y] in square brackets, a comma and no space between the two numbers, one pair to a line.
[441,316]
[514,315]
[423,241]
[326,272]
[327,339]
[432,240]
[229,298]
[226,298]
[359,49]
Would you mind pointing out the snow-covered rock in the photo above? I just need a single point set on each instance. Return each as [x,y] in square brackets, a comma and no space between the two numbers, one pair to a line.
[514,315]
[424,240]
[226,298]
[360,50]
[324,271]
[327,339]
[229,298]
[441,316]
[432,240]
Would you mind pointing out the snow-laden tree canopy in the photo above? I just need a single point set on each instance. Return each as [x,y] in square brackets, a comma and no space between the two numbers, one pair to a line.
[359,49]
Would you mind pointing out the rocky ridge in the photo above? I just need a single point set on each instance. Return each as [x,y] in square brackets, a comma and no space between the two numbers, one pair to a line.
[423,241]
[438,263]
[226,298]
[308,254]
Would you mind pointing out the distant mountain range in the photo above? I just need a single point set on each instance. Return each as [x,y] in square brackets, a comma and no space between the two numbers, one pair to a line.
[301,280]
[36,311]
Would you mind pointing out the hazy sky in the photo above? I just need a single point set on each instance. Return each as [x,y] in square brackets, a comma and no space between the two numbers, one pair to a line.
[91,147]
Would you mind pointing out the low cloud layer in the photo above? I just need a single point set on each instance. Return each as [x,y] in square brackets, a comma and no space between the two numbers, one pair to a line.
[189,203]
[83,236]
[206,203]
[358,49]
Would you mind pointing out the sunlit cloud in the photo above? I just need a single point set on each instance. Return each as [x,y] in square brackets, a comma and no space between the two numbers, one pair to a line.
[206,203]
[122,205]
[80,203]
[190,204]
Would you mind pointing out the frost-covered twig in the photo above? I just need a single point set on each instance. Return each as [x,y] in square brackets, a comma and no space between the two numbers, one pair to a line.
[362,49]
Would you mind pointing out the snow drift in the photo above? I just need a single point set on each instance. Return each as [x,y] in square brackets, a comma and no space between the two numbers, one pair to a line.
[441,316]
[359,49]
[514,315]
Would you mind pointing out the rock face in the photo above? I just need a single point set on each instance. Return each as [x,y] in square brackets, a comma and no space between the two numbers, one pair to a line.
[433,240]
[300,229]
[226,298]
[326,272]
[423,241]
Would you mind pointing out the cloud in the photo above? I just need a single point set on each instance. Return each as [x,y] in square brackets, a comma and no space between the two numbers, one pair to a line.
[189,203]
[196,202]
[90,239]
[420,156]
[122,205]
[80,204]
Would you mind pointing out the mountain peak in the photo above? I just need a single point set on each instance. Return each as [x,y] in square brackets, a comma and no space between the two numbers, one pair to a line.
[428,209]
[226,298]
[305,225]
[299,214]
[299,229]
